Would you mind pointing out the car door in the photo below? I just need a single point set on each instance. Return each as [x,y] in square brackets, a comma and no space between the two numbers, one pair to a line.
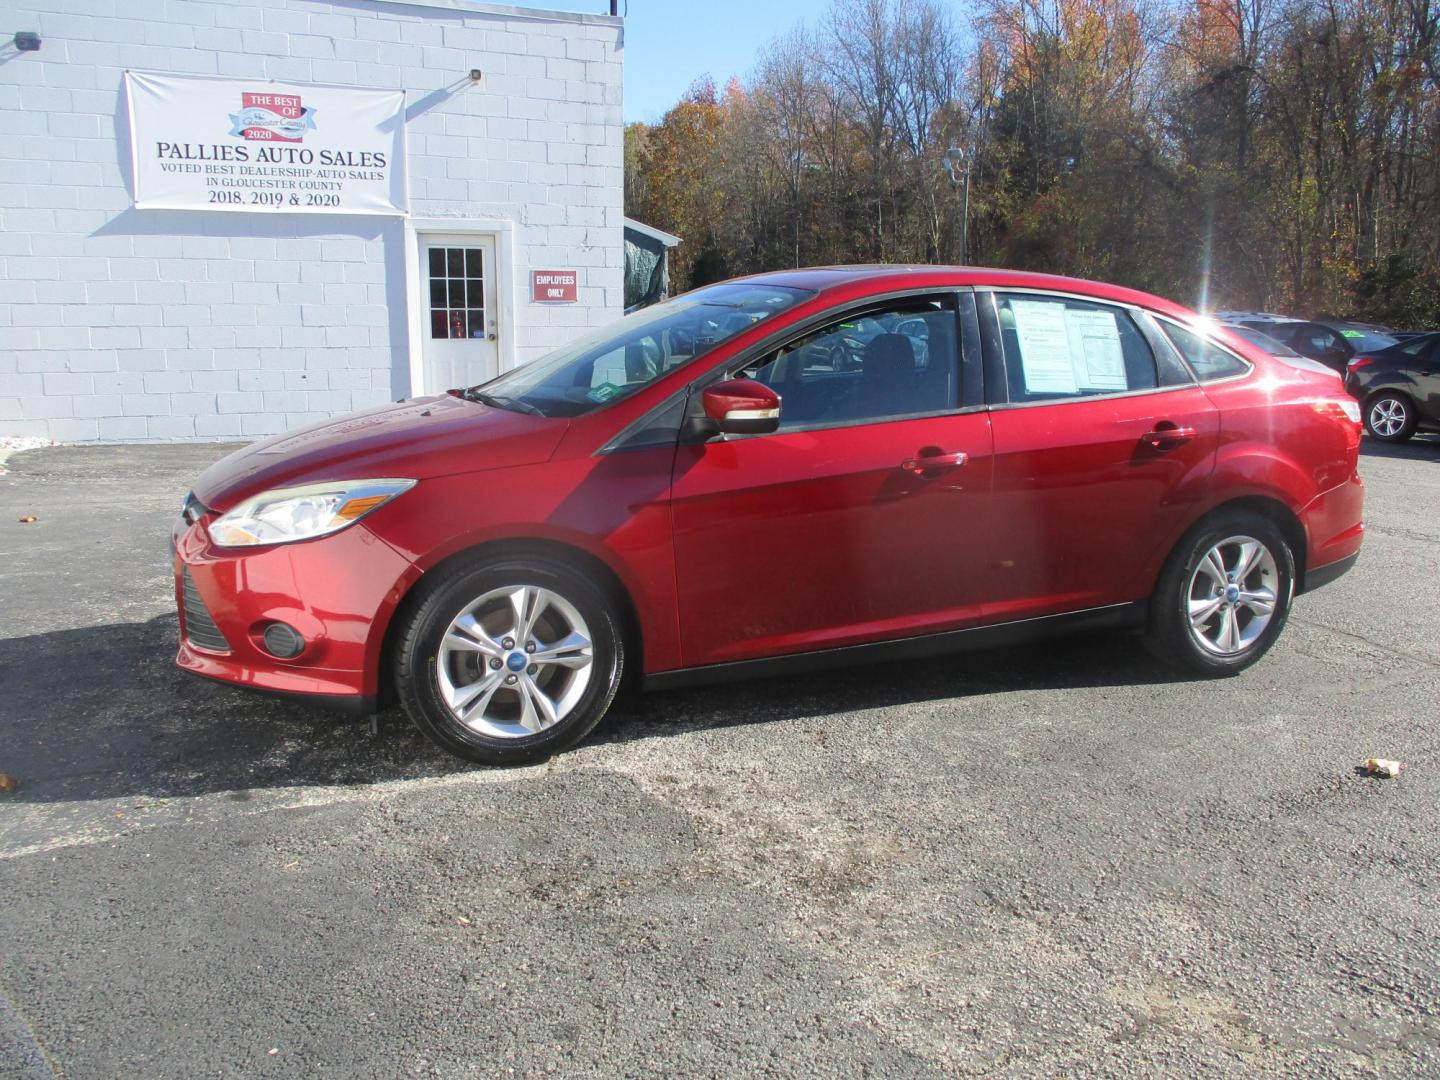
[864,515]
[1424,371]
[1103,446]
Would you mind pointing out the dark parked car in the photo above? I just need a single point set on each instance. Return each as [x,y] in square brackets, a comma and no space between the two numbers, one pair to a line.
[1332,343]
[1399,387]
[832,466]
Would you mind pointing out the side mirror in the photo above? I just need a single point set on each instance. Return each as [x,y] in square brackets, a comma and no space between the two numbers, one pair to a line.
[742,407]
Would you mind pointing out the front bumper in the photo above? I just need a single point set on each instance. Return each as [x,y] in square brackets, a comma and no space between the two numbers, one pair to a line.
[338,591]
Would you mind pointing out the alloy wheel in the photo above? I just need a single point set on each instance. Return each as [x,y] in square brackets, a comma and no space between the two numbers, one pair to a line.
[514,662]
[1232,595]
[1388,417]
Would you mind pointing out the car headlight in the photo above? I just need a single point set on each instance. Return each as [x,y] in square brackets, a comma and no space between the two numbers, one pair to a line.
[285,515]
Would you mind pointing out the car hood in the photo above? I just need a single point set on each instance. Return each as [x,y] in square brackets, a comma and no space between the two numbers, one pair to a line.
[416,439]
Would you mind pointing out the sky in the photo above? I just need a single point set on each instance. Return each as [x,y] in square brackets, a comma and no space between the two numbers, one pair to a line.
[671,43]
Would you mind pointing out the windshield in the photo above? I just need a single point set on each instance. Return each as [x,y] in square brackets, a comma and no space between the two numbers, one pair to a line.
[617,360]
[1264,341]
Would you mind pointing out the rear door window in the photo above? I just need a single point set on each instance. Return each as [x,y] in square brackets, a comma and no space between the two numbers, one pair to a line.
[1316,340]
[1056,348]
[1419,345]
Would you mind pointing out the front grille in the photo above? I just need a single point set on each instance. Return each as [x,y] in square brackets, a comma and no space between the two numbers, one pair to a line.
[200,628]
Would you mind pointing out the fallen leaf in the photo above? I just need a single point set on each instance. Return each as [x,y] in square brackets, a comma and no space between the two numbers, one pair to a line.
[29,519]
[8,783]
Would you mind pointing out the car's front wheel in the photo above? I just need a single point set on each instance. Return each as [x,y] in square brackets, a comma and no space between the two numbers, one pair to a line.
[509,662]
[1390,417]
[1223,596]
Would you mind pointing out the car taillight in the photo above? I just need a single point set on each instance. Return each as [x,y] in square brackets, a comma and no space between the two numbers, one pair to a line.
[1344,411]
[1357,362]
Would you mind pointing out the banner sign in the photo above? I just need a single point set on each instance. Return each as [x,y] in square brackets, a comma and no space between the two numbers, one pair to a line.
[553,286]
[245,144]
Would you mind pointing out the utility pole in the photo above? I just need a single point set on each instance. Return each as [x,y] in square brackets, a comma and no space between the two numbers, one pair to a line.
[957,163]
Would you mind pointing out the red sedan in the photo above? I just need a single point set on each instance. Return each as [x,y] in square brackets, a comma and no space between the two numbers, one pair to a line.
[775,473]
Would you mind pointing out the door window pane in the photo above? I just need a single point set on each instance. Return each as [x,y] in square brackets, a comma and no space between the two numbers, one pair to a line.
[1058,347]
[1207,360]
[457,293]
[899,361]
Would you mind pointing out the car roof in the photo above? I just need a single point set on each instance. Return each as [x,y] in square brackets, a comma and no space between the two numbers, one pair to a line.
[1354,323]
[1251,316]
[858,281]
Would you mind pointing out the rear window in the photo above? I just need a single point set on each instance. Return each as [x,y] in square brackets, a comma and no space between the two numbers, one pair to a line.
[1208,360]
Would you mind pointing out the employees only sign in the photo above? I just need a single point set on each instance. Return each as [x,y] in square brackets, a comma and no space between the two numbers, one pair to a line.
[239,144]
[553,286]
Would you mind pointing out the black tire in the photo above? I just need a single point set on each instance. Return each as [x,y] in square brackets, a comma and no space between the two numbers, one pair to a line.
[443,597]
[1388,403]
[1169,636]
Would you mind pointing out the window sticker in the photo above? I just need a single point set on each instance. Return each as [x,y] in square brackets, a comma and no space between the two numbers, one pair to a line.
[1095,350]
[1044,340]
[604,392]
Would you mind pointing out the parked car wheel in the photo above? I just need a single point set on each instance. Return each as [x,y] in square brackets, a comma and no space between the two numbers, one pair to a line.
[509,662]
[1390,417]
[1223,596]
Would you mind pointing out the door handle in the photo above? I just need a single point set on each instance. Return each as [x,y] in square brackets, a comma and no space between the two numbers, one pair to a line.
[923,464]
[1167,435]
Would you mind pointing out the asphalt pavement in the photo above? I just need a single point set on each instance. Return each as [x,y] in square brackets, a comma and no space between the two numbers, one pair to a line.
[1054,861]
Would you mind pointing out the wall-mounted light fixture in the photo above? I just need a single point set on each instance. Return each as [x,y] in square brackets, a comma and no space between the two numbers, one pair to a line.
[476,74]
[27,41]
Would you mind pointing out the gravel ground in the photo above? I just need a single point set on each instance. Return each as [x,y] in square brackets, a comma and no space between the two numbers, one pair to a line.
[1051,861]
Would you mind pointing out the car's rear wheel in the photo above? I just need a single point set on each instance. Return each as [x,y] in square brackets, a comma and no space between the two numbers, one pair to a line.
[1223,596]
[1390,417]
[509,662]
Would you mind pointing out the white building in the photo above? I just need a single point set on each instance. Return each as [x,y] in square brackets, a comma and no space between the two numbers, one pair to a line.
[125,323]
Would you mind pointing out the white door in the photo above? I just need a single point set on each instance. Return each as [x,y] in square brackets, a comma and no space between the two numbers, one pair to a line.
[460,329]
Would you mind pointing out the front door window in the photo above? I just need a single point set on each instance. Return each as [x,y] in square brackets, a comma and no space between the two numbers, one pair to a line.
[883,365]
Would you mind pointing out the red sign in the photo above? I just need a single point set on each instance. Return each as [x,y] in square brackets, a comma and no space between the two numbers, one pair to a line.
[267,117]
[553,286]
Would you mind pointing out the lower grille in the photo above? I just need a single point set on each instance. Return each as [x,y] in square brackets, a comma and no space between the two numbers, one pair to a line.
[200,628]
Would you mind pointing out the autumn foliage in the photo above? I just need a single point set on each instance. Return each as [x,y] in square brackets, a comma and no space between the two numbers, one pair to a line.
[1228,153]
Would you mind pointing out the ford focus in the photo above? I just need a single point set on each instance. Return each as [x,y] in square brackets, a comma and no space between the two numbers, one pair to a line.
[771,474]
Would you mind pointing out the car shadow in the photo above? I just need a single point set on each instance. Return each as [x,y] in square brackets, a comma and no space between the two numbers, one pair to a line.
[1418,448]
[103,713]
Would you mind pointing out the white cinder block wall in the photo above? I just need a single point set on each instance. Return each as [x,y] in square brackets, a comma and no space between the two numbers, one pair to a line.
[121,324]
